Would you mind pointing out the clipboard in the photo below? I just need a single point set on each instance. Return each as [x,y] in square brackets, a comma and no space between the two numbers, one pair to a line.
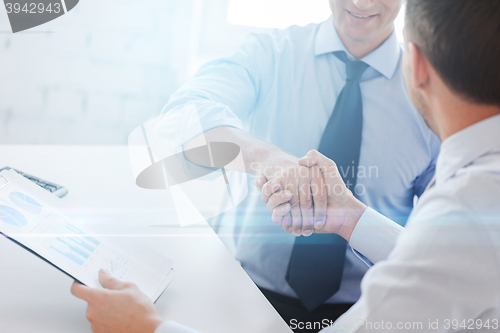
[28,218]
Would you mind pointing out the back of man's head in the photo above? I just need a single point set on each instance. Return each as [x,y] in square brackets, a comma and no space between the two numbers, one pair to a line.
[461,40]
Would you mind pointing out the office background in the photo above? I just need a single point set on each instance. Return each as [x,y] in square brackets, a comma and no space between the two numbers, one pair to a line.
[96,73]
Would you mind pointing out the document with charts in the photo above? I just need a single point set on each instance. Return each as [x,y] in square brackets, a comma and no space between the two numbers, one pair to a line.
[28,217]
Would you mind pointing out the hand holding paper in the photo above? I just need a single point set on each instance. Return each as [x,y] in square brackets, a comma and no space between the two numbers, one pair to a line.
[120,307]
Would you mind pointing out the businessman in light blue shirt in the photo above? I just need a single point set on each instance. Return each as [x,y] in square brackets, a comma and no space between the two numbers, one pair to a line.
[274,96]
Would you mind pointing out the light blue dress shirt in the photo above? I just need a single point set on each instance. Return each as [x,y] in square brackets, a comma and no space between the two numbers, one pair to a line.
[282,87]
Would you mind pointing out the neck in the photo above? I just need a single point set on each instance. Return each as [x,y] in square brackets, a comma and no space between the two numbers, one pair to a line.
[456,114]
[361,48]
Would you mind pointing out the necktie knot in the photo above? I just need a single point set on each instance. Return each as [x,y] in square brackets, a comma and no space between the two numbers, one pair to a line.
[354,69]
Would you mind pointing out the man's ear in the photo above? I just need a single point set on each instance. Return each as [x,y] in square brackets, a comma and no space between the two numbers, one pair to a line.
[419,69]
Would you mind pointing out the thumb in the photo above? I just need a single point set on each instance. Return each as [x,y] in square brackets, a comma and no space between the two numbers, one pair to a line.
[259,183]
[326,165]
[311,159]
[81,291]
[109,282]
[314,157]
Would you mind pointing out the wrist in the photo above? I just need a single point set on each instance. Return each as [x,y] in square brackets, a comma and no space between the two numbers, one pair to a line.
[353,211]
[269,162]
[153,323]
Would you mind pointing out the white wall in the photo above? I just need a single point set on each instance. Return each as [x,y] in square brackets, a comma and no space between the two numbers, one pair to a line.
[96,73]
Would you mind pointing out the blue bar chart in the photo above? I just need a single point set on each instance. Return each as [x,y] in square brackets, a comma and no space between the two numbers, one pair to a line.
[77,248]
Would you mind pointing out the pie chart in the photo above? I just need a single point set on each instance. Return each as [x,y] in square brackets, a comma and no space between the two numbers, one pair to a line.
[26,203]
[11,216]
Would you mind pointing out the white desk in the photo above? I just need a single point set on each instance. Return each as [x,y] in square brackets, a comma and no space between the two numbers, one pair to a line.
[210,292]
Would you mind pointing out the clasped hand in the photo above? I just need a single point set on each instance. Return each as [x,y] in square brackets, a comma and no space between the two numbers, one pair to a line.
[311,197]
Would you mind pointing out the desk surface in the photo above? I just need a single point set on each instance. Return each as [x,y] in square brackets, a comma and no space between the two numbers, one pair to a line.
[211,292]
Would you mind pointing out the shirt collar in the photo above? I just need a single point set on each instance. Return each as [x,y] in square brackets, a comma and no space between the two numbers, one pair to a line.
[464,147]
[384,59]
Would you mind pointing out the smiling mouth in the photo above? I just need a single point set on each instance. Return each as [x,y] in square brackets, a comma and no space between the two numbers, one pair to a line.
[360,16]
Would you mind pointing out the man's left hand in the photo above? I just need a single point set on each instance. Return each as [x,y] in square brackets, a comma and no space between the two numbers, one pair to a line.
[119,307]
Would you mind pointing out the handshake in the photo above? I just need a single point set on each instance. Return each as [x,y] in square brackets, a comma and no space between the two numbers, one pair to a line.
[309,196]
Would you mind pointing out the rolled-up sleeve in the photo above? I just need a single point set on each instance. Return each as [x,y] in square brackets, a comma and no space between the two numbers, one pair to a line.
[375,235]
[222,93]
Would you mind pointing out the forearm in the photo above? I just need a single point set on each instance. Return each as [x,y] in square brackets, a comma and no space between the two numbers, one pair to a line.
[260,157]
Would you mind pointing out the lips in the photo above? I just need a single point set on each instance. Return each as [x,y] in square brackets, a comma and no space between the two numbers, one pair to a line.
[359,16]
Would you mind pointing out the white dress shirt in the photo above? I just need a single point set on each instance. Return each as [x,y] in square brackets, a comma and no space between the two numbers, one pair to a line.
[442,272]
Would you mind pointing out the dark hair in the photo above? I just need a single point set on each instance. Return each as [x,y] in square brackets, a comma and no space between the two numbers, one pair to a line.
[461,39]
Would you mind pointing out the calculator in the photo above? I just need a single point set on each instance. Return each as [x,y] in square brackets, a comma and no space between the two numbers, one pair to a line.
[55,189]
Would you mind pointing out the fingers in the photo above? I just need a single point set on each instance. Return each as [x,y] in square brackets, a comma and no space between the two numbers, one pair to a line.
[81,291]
[319,195]
[295,211]
[287,221]
[268,189]
[109,282]
[260,181]
[331,176]
[277,199]
[306,204]
[280,212]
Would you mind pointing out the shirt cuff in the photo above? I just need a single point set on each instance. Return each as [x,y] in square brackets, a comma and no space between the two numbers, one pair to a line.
[375,235]
[362,257]
[174,327]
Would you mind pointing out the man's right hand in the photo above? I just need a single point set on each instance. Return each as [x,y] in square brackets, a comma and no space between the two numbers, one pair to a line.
[343,209]
[302,187]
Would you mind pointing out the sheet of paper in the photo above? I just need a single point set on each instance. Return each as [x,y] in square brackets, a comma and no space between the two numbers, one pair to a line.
[28,216]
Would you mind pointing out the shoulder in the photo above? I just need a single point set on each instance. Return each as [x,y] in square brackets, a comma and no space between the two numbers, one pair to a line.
[478,184]
[296,33]
[470,195]
[453,231]
[295,37]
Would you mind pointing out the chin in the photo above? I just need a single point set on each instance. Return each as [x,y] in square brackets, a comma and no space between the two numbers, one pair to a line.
[357,33]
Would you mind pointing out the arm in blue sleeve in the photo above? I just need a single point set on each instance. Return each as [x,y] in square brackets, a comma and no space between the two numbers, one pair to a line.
[223,92]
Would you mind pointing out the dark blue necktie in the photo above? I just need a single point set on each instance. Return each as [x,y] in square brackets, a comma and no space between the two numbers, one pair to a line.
[317,262]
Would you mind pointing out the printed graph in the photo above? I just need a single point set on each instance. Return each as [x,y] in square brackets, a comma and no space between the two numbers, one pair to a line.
[26,202]
[13,217]
[77,248]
